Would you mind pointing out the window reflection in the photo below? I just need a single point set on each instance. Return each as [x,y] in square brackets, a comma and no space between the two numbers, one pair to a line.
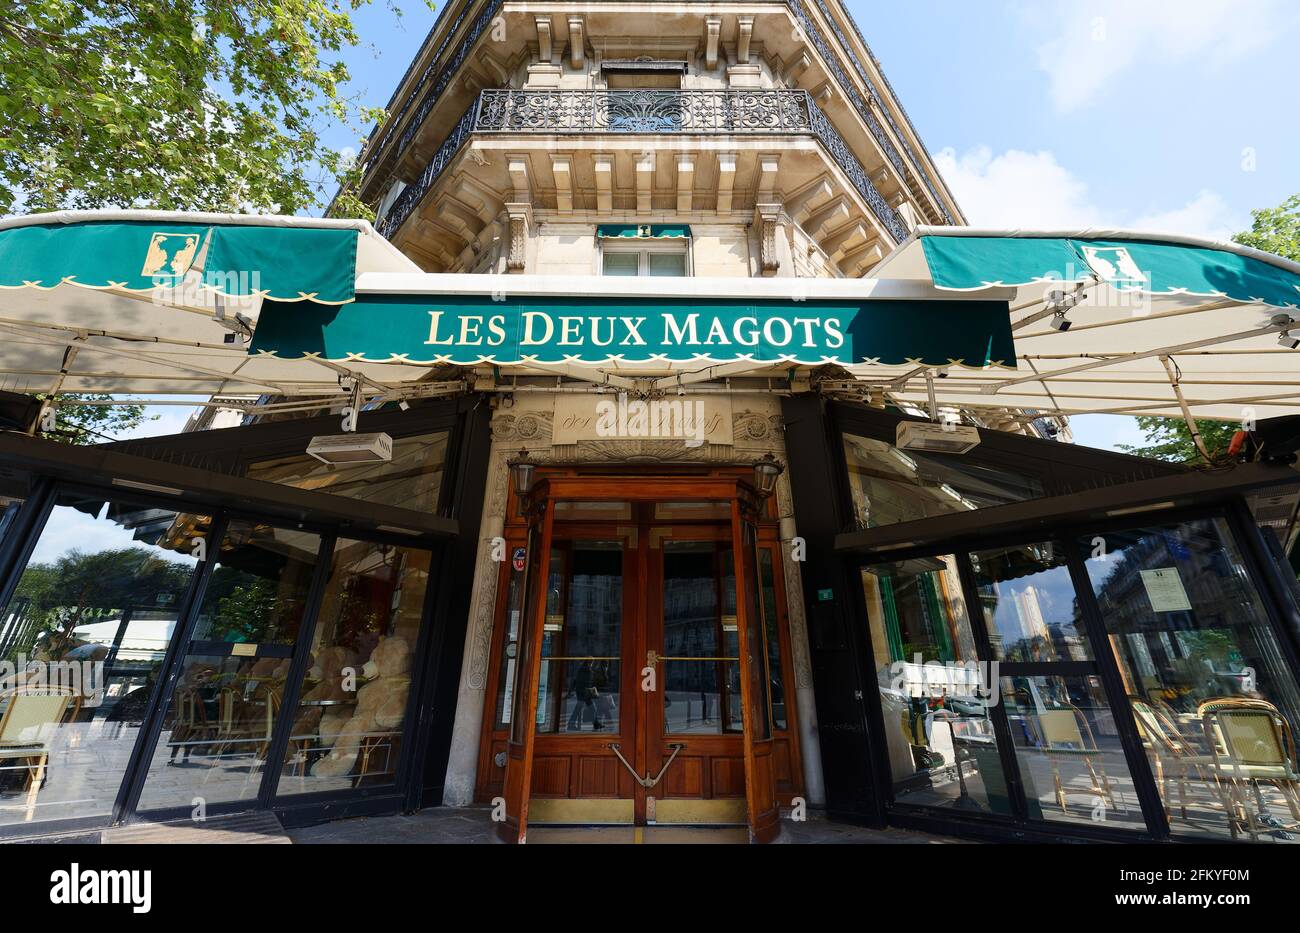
[889,485]
[582,640]
[348,726]
[1210,692]
[218,726]
[701,670]
[411,480]
[258,589]
[934,693]
[1029,604]
[82,643]
[1071,762]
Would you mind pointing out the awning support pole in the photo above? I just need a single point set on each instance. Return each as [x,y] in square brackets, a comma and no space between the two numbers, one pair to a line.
[929,391]
[1187,412]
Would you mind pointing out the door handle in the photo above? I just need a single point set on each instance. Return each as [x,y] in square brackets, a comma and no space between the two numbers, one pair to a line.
[646,781]
[651,658]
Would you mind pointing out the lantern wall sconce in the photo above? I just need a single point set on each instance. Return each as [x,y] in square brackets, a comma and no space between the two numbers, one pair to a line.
[766,470]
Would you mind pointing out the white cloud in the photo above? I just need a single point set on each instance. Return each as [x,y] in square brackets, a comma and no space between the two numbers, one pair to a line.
[1032,190]
[1017,189]
[1086,47]
[1206,215]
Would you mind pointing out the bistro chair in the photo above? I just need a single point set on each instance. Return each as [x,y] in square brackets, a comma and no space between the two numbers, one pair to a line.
[190,726]
[1251,744]
[370,746]
[1061,737]
[30,719]
[1174,758]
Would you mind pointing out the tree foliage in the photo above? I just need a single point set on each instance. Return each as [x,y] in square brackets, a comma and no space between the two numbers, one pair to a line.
[1171,439]
[81,587]
[92,424]
[174,104]
[1275,229]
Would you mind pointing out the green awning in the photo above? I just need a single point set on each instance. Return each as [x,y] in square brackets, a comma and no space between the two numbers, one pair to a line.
[968,263]
[473,329]
[643,231]
[286,263]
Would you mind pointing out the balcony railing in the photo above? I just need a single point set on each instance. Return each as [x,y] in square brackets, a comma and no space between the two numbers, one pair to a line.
[722,112]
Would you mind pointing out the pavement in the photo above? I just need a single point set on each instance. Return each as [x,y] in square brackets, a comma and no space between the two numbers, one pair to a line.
[460,826]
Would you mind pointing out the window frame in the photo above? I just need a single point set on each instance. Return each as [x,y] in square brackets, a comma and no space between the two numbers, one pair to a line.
[642,248]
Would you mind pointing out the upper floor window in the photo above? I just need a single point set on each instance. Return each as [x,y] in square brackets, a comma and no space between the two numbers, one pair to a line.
[644,249]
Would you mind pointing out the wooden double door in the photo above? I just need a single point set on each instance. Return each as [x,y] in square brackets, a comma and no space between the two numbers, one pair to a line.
[643,692]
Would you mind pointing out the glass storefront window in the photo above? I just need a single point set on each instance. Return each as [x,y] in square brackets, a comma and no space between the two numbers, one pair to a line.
[257,593]
[347,729]
[1214,701]
[1072,765]
[411,480]
[8,512]
[82,642]
[889,485]
[220,722]
[934,693]
[1029,604]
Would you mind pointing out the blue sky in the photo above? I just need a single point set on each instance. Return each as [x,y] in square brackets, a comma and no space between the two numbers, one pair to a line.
[1146,113]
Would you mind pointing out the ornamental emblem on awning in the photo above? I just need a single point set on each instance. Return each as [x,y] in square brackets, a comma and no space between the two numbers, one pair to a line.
[1114,264]
[170,254]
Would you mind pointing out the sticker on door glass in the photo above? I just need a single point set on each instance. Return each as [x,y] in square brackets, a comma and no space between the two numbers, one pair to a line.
[1165,590]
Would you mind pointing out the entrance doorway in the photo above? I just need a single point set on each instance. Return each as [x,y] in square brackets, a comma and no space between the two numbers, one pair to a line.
[658,659]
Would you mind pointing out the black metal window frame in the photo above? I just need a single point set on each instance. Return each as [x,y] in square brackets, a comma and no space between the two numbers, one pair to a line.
[40,506]
[453,551]
[1274,595]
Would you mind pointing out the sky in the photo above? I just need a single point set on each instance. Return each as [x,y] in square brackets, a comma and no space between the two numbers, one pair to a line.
[1151,114]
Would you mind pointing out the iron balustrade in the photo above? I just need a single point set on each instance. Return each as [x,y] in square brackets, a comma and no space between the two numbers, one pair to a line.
[722,112]
[429,89]
[795,7]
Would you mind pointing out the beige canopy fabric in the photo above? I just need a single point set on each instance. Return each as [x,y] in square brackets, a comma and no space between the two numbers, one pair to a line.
[1129,350]
[181,339]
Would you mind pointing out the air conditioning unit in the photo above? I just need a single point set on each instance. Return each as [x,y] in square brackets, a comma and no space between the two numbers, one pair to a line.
[936,438]
[351,448]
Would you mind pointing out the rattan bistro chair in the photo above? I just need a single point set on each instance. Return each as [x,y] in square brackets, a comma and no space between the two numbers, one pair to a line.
[1173,757]
[30,719]
[1251,744]
[1061,737]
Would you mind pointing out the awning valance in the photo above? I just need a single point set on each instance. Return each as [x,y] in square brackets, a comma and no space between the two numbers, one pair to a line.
[1115,321]
[162,302]
[474,329]
[968,263]
[643,231]
[234,260]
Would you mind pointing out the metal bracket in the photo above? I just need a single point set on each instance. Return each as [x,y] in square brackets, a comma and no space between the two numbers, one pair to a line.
[646,781]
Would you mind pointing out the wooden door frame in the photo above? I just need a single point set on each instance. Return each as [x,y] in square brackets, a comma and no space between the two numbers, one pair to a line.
[724,483]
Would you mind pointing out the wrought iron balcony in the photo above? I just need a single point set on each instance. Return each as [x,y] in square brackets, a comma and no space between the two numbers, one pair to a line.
[721,112]
[438,74]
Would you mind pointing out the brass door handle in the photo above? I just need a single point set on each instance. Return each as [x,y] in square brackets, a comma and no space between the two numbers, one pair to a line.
[651,658]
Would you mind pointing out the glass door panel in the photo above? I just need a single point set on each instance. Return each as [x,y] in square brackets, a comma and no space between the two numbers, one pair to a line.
[1068,746]
[84,638]
[582,640]
[935,694]
[347,729]
[1214,702]
[700,659]
[220,721]
[1072,766]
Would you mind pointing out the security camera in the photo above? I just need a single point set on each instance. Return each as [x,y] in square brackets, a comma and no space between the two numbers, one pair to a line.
[1285,339]
[1059,322]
